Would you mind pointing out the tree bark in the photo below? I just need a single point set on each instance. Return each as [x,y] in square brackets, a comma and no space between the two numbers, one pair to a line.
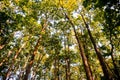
[81,49]
[28,67]
[14,59]
[106,72]
[116,71]
[55,69]
[58,74]
[68,61]
[5,59]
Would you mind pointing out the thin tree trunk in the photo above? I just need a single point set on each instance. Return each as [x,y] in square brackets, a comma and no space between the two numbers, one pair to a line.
[116,71]
[14,59]
[66,69]
[55,69]
[38,61]
[106,72]
[86,51]
[58,75]
[5,60]
[81,49]
[28,67]
[68,61]
[85,61]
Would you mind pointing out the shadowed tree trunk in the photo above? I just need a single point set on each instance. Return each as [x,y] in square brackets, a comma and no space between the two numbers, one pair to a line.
[55,69]
[106,72]
[81,49]
[68,65]
[66,68]
[58,74]
[116,71]
[56,65]
[67,57]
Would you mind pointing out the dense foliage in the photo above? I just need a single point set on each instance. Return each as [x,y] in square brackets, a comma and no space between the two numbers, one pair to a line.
[59,40]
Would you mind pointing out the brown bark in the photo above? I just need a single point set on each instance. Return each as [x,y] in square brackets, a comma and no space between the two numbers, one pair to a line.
[5,60]
[81,49]
[85,62]
[67,68]
[86,51]
[68,65]
[28,67]
[58,75]
[106,72]
[35,69]
[14,59]
[2,46]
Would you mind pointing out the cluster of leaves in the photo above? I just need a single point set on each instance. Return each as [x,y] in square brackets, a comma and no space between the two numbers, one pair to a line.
[35,35]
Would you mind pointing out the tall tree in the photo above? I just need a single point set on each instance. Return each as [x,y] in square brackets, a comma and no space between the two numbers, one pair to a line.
[84,58]
[59,39]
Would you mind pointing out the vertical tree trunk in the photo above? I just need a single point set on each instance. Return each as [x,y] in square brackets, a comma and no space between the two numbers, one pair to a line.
[58,74]
[66,66]
[55,69]
[66,70]
[68,61]
[106,72]
[5,60]
[81,49]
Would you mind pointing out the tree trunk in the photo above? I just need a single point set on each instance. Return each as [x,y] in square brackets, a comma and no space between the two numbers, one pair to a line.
[81,49]
[67,58]
[85,61]
[67,68]
[58,74]
[55,69]
[28,67]
[68,61]
[116,71]
[106,72]
[14,59]
[5,60]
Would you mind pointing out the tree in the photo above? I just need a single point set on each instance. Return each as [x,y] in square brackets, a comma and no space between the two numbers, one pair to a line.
[111,24]
[59,39]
